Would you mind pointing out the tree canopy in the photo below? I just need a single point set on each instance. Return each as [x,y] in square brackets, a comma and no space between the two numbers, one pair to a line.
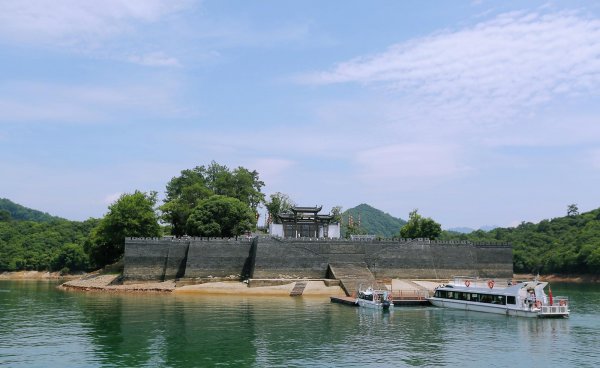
[31,245]
[562,245]
[278,203]
[221,216]
[185,192]
[132,215]
[420,227]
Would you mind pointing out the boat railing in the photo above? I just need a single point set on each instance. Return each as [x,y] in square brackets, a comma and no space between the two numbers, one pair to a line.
[559,301]
[480,282]
[409,294]
[554,309]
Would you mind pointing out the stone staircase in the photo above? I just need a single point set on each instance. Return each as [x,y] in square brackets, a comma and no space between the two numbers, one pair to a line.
[298,288]
[352,276]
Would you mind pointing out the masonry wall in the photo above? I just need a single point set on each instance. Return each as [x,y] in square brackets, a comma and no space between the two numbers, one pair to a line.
[154,259]
[266,257]
[218,257]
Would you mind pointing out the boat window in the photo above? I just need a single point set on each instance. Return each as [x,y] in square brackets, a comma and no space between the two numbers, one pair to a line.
[511,300]
[485,298]
[463,296]
[474,297]
[498,299]
[450,295]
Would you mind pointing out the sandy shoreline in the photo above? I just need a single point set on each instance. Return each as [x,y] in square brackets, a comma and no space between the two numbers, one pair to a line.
[110,283]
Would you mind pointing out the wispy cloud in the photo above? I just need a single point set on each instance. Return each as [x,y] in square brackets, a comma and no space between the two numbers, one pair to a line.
[92,28]
[77,21]
[410,161]
[154,59]
[488,71]
[35,102]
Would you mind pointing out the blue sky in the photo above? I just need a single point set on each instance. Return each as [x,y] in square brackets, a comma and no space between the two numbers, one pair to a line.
[474,112]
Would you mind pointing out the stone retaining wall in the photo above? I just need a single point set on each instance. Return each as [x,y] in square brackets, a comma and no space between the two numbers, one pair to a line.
[267,257]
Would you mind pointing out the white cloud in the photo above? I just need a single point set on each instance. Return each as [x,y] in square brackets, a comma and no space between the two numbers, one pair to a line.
[111,198]
[486,72]
[79,21]
[272,170]
[154,59]
[75,103]
[410,161]
[594,158]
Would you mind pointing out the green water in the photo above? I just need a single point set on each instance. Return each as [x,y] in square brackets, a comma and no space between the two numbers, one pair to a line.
[41,326]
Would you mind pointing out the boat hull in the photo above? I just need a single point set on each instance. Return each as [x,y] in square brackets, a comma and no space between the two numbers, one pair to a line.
[499,309]
[373,305]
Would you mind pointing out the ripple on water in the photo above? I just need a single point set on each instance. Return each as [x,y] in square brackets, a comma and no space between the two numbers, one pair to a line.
[40,326]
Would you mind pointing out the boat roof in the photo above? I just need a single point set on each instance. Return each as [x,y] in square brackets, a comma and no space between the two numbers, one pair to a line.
[499,290]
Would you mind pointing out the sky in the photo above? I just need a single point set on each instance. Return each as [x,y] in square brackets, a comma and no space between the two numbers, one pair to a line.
[476,113]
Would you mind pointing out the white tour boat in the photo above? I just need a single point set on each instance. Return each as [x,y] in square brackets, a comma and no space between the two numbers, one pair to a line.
[525,299]
[376,299]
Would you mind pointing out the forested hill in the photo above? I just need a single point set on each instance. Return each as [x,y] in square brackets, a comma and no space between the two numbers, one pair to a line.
[34,240]
[374,221]
[565,245]
[21,213]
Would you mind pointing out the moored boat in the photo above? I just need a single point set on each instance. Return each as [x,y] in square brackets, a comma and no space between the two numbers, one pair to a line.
[523,298]
[376,299]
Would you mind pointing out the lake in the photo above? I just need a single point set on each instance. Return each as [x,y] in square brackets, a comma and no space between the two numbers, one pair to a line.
[41,326]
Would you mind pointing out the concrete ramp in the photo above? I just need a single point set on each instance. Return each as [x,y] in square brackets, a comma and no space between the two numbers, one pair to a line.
[352,276]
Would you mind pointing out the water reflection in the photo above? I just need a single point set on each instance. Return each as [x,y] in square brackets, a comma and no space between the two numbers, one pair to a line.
[40,326]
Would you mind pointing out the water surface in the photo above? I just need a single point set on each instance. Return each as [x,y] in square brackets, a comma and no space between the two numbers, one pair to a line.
[41,326]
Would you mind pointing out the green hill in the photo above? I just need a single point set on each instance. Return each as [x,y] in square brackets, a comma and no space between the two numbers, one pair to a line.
[34,240]
[373,221]
[21,213]
[564,245]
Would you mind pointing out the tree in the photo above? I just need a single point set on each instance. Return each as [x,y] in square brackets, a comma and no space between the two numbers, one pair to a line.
[336,212]
[572,210]
[186,191]
[70,257]
[279,203]
[5,215]
[221,216]
[132,215]
[420,227]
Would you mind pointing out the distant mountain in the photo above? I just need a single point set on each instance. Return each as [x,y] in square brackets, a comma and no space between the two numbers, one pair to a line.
[374,221]
[21,213]
[468,230]
[462,230]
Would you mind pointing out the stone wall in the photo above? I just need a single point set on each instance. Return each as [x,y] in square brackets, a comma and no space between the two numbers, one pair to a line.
[154,259]
[216,257]
[267,257]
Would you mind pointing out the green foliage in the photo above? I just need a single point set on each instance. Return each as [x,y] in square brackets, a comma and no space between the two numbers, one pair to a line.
[28,245]
[572,210]
[336,212]
[70,256]
[132,215]
[565,245]
[20,213]
[186,191]
[5,216]
[221,216]
[420,227]
[279,203]
[372,221]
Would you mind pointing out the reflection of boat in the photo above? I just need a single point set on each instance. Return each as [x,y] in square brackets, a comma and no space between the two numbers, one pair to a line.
[526,299]
[376,299]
